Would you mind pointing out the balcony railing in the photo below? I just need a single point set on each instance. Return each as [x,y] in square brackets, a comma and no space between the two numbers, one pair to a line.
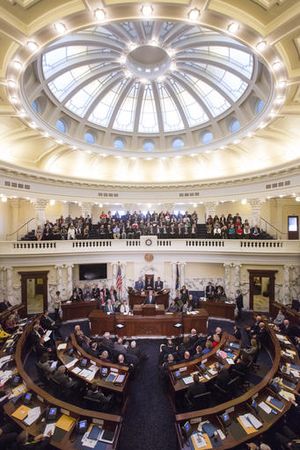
[148,244]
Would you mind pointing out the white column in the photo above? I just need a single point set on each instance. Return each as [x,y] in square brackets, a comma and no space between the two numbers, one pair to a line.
[86,209]
[40,211]
[59,278]
[256,204]
[65,209]
[237,277]
[286,297]
[228,279]
[114,271]
[9,286]
[181,274]
[210,209]
[173,283]
[14,206]
[69,268]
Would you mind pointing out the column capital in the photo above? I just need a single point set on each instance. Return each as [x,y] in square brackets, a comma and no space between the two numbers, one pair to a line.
[40,203]
[256,202]
[14,202]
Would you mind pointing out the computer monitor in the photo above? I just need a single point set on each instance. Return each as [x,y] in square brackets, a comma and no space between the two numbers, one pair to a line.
[225,418]
[27,398]
[83,362]
[51,414]
[81,426]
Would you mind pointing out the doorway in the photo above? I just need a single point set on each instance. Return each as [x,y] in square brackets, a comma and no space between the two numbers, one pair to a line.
[262,290]
[34,287]
[293,227]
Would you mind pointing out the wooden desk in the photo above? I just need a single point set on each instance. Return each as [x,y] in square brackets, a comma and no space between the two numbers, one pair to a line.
[241,405]
[7,312]
[148,310]
[217,308]
[109,420]
[160,325]
[78,310]
[291,314]
[137,298]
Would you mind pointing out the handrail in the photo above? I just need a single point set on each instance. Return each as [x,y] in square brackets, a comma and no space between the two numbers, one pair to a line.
[20,228]
[273,227]
[48,397]
[245,397]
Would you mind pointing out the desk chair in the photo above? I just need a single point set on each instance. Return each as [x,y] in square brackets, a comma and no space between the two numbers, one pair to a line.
[97,404]
[198,401]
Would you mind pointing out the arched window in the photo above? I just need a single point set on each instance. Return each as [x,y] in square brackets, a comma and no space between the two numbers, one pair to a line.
[119,143]
[36,106]
[61,126]
[207,137]
[234,126]
[259,106]
[148,146]
[177,143]
[89,137]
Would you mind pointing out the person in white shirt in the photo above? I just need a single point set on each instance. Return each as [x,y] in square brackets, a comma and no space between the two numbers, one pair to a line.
[71,232]
[57,305]
[124,308]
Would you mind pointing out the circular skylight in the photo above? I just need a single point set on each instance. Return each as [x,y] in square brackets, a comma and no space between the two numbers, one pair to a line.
[147,77]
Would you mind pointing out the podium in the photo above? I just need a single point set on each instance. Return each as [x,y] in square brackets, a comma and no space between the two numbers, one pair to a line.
[148,310]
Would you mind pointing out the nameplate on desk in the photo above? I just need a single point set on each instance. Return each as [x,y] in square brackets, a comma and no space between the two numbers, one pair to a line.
[254,396]
[196,420]
[40,398]
[113,369]
[204,361]
[65,411]
[98,421]
[182,369]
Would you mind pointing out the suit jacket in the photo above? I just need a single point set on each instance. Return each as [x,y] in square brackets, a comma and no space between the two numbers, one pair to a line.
[210,291]
[158,285]
[150,301]
[139,285]
[110,309]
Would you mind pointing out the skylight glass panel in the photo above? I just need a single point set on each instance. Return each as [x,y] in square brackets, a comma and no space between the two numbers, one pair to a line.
[171,117]
[148,122]
[104,109]
[125,117]
[192,109]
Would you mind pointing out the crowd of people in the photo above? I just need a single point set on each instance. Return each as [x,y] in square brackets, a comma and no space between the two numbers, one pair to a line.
[163,224]
[231,227]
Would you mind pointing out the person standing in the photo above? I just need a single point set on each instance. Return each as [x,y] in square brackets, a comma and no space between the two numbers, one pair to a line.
[57,305]
[239,303]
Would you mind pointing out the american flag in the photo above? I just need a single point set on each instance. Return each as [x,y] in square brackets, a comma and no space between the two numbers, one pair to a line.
[119,281]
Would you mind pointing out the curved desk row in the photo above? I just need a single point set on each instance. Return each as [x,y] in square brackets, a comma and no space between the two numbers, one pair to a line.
[69,439]
[170,324]
[233,432]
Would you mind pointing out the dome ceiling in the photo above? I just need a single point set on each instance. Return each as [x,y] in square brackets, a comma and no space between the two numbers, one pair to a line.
[147,77]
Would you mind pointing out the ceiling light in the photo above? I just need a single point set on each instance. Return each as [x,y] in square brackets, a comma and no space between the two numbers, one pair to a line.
[11,83]
[143,80]
[14,100]
[277,65]
[45,134]
[60,27]
[273,114]
[280,196]
[260,46]
[194,14]
[4,199]
[122,59]
[22,113]
[59,141]
[32,46]
[18,65]
[147,10]
[173,67]
[297,199]
[128,74]
[262,125]
[99,14]
[161,78]
[149,159]
[74,147]
[250,134]
[233,27]
[104,155]
[237,141]
[33,125]
[133,158]
[52,202]
[244,201]
[279,100]
[154,43]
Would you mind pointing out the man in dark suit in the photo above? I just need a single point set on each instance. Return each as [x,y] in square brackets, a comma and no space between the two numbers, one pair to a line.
[149,282]
[158,285]
[109,307]
[196,388]
[210,291]
[150,299]
[139,285]
[239,303]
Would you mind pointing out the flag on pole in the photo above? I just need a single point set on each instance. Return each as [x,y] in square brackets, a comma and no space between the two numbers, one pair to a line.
[119,281]
[177,285]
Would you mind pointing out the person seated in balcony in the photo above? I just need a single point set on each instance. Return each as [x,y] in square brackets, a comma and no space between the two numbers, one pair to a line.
[224,231]
[39,233]
[255,232]
[217,231]
[237,219]
[209,226]
[86,232]
[231,231]
[246,229]
[71,232]
[116,231]
[239,231]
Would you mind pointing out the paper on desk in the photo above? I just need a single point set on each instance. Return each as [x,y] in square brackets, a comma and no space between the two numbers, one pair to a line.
[287,395]
[5,359]
[21,412]
[76,370]
[86,442]
[253,421]
[265,407]
[62,346]
[33,415]
[187,380]
[71,363]
[229,361]
[65,422]
[49,428]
